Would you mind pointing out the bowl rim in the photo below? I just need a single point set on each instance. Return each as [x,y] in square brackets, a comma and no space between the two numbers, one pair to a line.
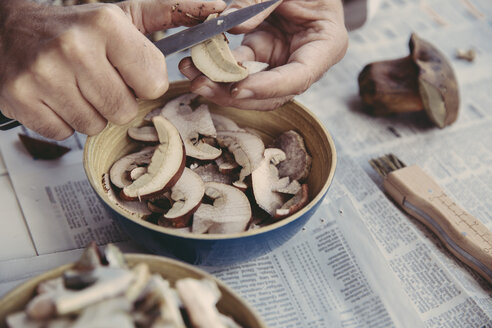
[134,258]
[245,234]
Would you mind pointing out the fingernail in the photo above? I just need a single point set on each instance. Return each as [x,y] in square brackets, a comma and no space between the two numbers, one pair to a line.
[242,94]
[205,92]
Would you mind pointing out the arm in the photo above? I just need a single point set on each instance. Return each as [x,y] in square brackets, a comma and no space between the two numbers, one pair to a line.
[300,41]
[77,67]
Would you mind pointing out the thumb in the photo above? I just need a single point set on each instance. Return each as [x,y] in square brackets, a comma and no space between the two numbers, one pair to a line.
[156,15]
[253,22]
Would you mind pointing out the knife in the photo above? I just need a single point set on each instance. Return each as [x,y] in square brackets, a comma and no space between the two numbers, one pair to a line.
[187,38]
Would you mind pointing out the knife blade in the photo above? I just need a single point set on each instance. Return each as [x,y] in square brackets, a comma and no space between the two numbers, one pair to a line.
[188,38]
[204,31]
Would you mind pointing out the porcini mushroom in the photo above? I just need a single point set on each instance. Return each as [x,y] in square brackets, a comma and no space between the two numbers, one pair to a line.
[223,123]
[265,180]
[246,147]
[199,298]
[166,166]
[192,124]
[119,172]
[230,212]
[214,58]
[424,80]
[294,204]
[136,208]
[143,134]
[187,195]
[297,163]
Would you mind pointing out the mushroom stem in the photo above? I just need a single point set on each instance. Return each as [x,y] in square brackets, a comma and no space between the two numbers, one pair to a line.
[391,86]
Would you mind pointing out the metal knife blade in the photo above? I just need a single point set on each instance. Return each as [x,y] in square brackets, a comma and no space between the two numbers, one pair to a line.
[188,38]
[203,31]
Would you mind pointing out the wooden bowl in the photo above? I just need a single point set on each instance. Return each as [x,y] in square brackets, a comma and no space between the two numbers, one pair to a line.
[103,150]
[229,304]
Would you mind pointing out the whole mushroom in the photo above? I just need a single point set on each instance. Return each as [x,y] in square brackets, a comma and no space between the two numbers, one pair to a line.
[424,80]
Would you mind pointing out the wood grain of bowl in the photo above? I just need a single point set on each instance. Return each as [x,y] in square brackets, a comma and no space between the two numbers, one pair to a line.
[103,150]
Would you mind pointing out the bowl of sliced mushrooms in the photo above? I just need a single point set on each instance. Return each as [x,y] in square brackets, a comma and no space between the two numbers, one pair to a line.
[211,185]
[105,288]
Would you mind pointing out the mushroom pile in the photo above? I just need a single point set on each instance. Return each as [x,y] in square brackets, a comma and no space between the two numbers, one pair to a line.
[200,172]
[100,290]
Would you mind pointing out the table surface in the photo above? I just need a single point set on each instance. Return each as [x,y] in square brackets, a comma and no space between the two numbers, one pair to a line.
[376,40]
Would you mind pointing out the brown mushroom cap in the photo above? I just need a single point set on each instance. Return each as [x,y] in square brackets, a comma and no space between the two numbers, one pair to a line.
[424,80]
[437,83]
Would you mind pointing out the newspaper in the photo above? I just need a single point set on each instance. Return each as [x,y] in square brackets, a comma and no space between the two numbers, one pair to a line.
[360,261]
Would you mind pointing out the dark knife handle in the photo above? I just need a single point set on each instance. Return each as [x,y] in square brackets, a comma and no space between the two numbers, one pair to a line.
[7,123]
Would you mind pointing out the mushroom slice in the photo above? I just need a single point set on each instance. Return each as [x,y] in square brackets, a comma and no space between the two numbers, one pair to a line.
[230,212]
[192,125]
[423,80]
[187,194]
[112,312]
[246,147]
[135,208]
[223,123]
[294,204]
[199,298]
[179,105]
[210,173]
[119,170]
[143,133]
[297,164]
[159,292]
[291,188]
[166,166]
[254,66]
[111,282]
[137,172]
[265,180]
[226,163]
[214,58]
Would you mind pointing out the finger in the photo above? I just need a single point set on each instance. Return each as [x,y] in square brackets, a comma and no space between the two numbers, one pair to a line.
[188,69]
[220,93]
[141,65]
[21,99]
[75,110]
[47,123]
[305,66]
[253,22]
[155,15]
[39,117]
[103,88]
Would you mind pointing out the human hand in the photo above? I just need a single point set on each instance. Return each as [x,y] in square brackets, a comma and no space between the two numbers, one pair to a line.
[77,67]
[300,41]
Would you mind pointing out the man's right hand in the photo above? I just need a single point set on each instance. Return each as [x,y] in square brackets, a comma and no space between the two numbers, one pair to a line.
[75,68]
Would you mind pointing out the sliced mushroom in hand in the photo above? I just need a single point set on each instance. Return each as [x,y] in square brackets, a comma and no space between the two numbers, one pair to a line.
[424,80]
[230,212]
[187,195]
[297,163]
[214,59]
[166,166]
